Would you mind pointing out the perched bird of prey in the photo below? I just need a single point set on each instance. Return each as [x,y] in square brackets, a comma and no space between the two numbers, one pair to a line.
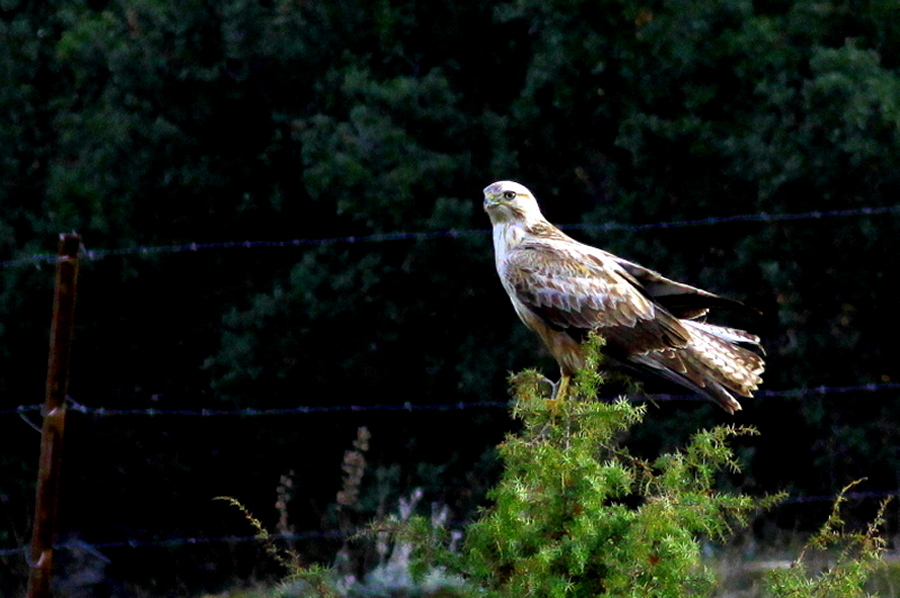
[562,290]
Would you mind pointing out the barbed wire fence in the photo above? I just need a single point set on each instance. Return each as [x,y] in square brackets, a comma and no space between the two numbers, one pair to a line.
[356,532]
[155,250]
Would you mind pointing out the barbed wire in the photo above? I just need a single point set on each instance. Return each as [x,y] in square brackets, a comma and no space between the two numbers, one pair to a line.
[149,250]
[411,407]
[251,412]
[339,534]
[758,217]
[193,541]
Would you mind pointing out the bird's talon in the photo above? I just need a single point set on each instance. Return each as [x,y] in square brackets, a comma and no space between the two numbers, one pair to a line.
[554,405]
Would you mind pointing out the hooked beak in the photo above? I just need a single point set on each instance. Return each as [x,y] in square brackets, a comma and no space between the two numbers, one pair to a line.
[492,200]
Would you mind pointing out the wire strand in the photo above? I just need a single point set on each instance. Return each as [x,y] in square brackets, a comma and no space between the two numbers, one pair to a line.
[191,541]
[338,534]
[414,407]
[149,250]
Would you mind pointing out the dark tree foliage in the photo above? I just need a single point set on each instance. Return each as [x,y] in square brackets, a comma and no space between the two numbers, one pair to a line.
[157,123]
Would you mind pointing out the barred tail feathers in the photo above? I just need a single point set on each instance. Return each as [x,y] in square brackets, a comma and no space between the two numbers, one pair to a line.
[712,364]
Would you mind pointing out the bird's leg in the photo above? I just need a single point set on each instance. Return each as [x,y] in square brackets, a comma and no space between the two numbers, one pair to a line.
[559,393]
[561,388]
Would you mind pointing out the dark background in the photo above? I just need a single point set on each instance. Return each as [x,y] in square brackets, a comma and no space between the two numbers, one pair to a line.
[155,123]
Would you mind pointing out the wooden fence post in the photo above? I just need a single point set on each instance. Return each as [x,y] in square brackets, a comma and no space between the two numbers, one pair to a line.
[62,325]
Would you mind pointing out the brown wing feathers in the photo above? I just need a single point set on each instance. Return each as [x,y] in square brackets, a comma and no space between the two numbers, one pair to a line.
[645,318]
[563,289]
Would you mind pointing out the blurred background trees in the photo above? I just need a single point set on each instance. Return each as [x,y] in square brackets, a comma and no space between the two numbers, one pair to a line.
[158,123]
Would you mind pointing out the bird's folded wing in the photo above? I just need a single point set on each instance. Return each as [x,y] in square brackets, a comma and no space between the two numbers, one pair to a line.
[681,300]
[577,291]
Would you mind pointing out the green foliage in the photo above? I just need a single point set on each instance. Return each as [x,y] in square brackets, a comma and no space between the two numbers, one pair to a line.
[285,558]
[576,514]
[162,122]
[850,559]
[313,580]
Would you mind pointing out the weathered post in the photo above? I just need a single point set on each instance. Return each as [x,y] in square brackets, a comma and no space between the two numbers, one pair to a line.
[44,532]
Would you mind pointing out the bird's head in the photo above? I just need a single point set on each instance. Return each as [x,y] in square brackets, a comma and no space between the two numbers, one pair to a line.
[508,201]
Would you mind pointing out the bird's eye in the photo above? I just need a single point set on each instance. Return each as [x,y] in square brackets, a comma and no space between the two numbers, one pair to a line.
[510,195]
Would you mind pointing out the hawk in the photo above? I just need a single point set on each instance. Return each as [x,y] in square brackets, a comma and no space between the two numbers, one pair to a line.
[562,290]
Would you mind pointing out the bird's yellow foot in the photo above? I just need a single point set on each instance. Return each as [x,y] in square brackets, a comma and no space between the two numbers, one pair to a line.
[560,390]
